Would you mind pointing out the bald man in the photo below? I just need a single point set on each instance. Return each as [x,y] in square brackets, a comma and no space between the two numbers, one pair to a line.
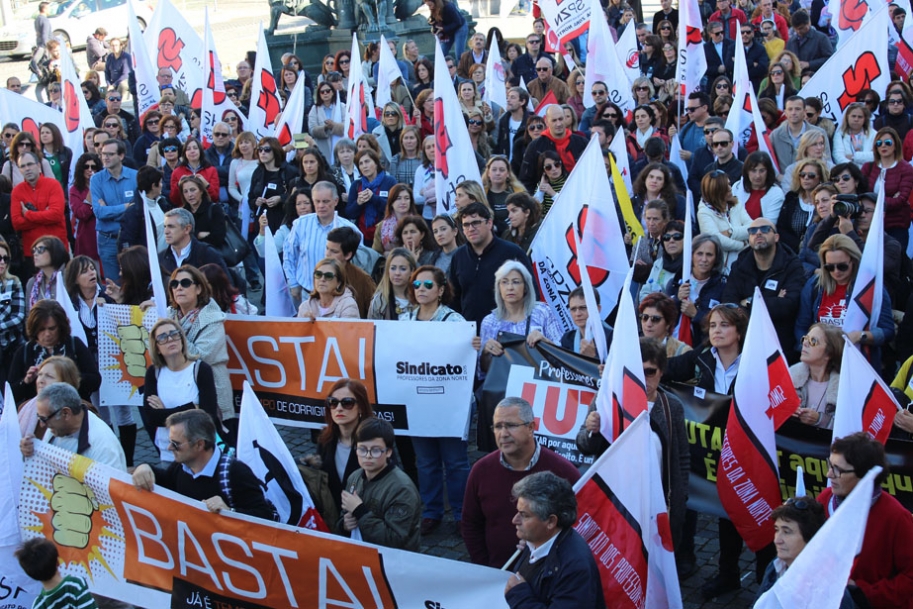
[545,81]
[777,271]
[555,133]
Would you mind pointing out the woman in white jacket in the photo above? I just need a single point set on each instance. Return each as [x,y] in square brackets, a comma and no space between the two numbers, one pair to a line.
[757,191]
[722,215]
[853,141]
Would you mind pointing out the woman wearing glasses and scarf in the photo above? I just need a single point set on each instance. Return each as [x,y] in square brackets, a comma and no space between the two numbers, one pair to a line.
[827,294]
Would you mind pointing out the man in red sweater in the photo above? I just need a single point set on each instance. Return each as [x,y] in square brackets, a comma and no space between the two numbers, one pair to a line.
[37,205]
[883,571]
[488,531]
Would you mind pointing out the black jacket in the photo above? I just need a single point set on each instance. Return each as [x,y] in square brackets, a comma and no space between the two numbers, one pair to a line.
[200,254]
[710,296]
[529,169]
[30,354]
[212,155]
[133,224]
[336,485]
[714,61]
[525,66]
[697,366]
[756,54]
[505,144]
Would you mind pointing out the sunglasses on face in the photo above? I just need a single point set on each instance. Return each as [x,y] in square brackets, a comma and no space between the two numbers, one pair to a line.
[346,403]
[4,259]
[170,149]
[427,283]
[722,85]
[114,98]
[880,143]
[552,166]
[167,337]
[184,283]
[754,230]
[231,119]
[474,121]
[710,131]
[39,249]
[91,166]
[641,88]
[721,144]
[892,102]
[654,318]
[808,175]
[536,127]
[776,72]
[343,62]
[599,93]
[328,275]
[264,149]
[843,267]
[610,115]
[673,237]
[111,125]
[650,372]
[390,113]
[542,69]
[810,341]
[665,28]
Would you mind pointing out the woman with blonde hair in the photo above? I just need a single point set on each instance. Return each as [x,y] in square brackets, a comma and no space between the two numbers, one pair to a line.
[478,137]
[816,376]
[721,214]
[855,136]
[798,209]
[54,369]
[812,145]
[576,82]
[391,299]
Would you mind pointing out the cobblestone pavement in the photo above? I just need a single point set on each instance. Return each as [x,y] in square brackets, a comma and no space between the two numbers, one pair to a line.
[446,543]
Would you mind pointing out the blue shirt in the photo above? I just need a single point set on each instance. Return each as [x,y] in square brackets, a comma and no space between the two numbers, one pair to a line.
[116,194]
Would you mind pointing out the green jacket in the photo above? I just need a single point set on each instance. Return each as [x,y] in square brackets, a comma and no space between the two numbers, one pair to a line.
[391,513]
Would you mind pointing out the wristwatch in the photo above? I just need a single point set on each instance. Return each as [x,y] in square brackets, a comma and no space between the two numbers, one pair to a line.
[862,337]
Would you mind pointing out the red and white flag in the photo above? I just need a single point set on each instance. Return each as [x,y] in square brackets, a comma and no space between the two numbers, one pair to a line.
[565,21]
[215,101]
[847,18]
[865,303]
[584,214]
[864,402]
[832,550]
[278,299]
[626,49]
[862,63]
[594,331]
[903,66]
[619,149]
[684,322]
[359,104]
[622,515]
[546,101]
[745,112]
[622,395]
[29,114]
[292,119]
[387,72]
[176,46]
[603,64]
[692,64]
[454,161]
[529,104]
[748,479]
[261,448]
[147,87]
[495,88]
[264,94]
[76,114]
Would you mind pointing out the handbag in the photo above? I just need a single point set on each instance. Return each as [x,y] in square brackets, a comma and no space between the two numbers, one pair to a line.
[235,248]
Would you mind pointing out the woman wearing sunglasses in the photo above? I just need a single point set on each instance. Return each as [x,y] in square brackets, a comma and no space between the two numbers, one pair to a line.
[816,376]
[897,182]
[331,296]
[535,126]
[668,263]
[23,142]
[658,318]
[826,295]
[552,175]
[175,381]
[798,209]
[152,133]
[203,323]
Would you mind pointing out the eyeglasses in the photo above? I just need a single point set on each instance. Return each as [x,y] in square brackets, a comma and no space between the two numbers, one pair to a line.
[53,90]
[510,282]
[718,33]
[665,28]
[837,471]
[170,149]
[610,115]
[542,69]
[91,166]
[844,178]
[324,91]
[880,143]
[776,72]
[843,267]
[810,115]
[808,174]
[552,166]
[44,420]
[175,445]
[39,249]
[168,337]
[152,123]
[580,82]
[390,114]
[114,98]
[691,109]
[653,318]
[650,372]
[747,33]
[799,504]
[328,275]
[673,237]
[346,403]
[344,62]
[473,224]
[184,283]
[508,427]
[376,452]
[4,259]
[721,144]
[895,102]
[710,131]
[535,127]
[24,144]
[474,121]
[641,88]
[231,93]
[231,119]
[264,149]
[764,229]
[220,134]
[8,136]
[533,41]
[112,125]
[599,93]
[810,341]
[427,283]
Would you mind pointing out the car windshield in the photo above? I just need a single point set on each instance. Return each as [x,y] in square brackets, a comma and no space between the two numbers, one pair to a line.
[57,8]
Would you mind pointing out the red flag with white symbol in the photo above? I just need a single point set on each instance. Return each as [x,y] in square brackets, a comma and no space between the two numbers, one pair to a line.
[748,479]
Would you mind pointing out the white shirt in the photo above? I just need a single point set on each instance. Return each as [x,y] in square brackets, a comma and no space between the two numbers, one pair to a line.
[540,552]
[181,255]
[723,377]
[209,469]
[104,446]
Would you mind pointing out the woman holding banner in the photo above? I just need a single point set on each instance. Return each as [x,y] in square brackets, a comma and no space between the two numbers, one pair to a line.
[428,291]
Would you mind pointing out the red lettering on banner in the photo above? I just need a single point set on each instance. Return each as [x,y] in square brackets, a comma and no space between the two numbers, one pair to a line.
[442,141]
[170,47]
[852,12]
[857,77]
[555,397]
[71,112]
[878,413]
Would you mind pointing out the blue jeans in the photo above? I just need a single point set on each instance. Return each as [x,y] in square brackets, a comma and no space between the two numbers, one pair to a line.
[458,42]
[107,254]
[430,455]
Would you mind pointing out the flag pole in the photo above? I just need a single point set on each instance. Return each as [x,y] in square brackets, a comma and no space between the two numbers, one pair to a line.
[511,560]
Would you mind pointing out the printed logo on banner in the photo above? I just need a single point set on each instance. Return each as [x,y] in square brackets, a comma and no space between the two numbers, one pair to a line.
[268,100]
[71,112]
[186,595]
[858,77]
[852,12]
[30,126]
[597,275]
[123,352]
[441,139]
[170,47]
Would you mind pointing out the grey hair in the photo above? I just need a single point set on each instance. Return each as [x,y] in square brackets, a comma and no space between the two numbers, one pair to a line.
[705,238]
[548,495]
[60,396]
[223,124]
[326,186]
[184,217]
[526,409]
[197,424]
[529,297]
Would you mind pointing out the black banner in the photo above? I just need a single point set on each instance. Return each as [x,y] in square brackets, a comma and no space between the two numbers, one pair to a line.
[185,595]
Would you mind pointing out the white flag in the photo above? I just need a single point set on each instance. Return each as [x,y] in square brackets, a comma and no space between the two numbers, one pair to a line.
[276,293]
[454,161]
[626,49]
[800,482]
[849,17]
[864,305]
[619,149]
[387,72]
[603,65]
[264,94]
[76,114]
[864,401]
[594,331]
[155,270]
[358,104]
[529,104]
[675,157]
[832,550]
[692,64]
[147,87]
[76,329]
[292,119]
[215,101]
[174,44]
[495,91]
[261,448]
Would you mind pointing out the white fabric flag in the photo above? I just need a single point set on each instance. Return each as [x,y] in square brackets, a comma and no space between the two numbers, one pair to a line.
[800,482]
[619,149]
[155,270]
[692,63]
[358,104]
[215,101]
[529,104]
[862,63]
[626,49]
[276,292]
[687,252]
[564,21]
[675,157]
[264,94]
[832,550]
[454,162]
[76,114]
[864,305]
[28,113]
[603,64]
[387,72]
[147,87]
[262,449]
[594,331]
[849,17]
[864,401]
[175,45]
[495,88]
[76,329]
[622,516]
[292,119]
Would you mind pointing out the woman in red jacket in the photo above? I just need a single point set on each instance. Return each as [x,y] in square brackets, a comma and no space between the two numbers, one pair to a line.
[194,163]
[893,174]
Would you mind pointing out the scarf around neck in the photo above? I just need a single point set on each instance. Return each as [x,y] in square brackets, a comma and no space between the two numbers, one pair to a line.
[562,145]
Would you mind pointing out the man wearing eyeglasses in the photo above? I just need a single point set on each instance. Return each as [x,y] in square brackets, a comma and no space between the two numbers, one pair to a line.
[113,101]
[785,138]
[72,427]
[202,471]
[756,58]
[600,95]
[545,82]
[777,271]
[525,64]
[721,143]
[719,52]
[219,155]
[692,134]
[557,137]
[488,511]
[883,570]
[36,205]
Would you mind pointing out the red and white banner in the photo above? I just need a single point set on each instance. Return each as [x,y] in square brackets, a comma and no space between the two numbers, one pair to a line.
[585,209]
[291,121]
[176,46]
[144,70]
[903,65]
[832,550]
[359,104]
[621,513]
[76,114]
[567,19]
[603,65]
[261,447]
[454,161]
[860,64]
[745,112]
[214,102]
[277,296]
[161,547]
[495,79]
[748,480]
[622,395]
[264,94]
[30,114]
[692,64]
[626,49]
[545,102]
[865,303]
[864,402]
[847,18]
